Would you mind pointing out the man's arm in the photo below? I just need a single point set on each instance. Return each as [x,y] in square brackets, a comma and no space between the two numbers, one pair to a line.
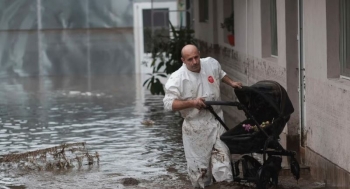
[183,104]
[226,79]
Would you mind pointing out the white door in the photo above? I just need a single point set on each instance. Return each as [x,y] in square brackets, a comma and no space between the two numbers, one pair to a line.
[143,20]
[162,11]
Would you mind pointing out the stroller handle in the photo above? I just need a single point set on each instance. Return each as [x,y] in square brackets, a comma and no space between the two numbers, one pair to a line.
[224,103]
[238,137]
[227,103]
[231,103]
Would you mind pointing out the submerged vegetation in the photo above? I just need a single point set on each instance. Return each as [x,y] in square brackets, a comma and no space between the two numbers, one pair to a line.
[65,156]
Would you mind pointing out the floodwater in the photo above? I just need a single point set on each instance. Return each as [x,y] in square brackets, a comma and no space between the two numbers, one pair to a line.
[106,113]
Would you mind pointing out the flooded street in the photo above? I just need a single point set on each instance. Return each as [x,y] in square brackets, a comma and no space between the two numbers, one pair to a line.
[106,113]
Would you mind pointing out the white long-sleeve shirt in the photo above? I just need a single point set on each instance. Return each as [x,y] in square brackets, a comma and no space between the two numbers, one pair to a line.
[200,130]
[184,84]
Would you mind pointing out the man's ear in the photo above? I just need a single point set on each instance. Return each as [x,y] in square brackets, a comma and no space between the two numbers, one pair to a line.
[182,59]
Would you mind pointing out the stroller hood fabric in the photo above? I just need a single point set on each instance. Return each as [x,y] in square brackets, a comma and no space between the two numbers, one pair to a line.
[269,92]
[265,101]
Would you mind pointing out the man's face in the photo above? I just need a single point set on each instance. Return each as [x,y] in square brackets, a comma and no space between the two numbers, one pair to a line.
[191,58]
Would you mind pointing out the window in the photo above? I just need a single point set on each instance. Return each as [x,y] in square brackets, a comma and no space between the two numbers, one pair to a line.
[344,38]
[159,26]
[269,28]
[273,24]
[203,10]
[228,24]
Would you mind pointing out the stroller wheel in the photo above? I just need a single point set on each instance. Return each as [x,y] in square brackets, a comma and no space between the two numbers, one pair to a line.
[295,168]
[268,177]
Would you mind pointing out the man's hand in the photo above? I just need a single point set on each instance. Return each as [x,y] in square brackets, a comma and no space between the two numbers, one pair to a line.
[231,83]
[236,84]
[199,103]
[183,104]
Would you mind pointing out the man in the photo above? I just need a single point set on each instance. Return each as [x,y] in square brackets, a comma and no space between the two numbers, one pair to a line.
[186,91]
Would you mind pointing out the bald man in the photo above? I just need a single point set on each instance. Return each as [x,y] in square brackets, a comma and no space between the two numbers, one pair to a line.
[186,91]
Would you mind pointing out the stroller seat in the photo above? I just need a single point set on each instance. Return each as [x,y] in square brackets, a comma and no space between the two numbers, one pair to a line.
[267,108]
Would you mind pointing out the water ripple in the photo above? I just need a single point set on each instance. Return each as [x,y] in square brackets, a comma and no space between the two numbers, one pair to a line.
[108,117]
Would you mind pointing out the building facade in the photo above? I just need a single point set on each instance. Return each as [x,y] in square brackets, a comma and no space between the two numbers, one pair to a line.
[303,45]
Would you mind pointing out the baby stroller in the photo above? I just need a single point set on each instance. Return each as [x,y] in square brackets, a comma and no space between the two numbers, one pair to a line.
[268,108]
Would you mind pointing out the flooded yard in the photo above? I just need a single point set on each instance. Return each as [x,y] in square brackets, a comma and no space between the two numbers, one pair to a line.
[106,113]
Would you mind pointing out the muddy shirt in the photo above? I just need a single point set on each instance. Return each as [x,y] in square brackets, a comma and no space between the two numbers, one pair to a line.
[184,84]
[200,130]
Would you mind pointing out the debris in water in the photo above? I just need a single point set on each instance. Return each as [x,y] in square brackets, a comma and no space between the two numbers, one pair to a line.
[130,181]
[59,157]
[147,122]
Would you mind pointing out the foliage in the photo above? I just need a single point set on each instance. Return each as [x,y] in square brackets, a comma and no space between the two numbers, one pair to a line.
[229,23]
[166,56]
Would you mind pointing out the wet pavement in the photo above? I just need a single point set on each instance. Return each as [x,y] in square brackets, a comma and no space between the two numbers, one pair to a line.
[106,113]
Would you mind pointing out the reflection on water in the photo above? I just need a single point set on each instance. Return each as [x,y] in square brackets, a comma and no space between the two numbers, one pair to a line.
[105,112]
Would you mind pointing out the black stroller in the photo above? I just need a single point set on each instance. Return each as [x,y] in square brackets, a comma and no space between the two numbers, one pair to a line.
[268,108]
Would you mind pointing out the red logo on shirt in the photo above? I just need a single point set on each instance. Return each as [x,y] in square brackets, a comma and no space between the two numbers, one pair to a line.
[211,79]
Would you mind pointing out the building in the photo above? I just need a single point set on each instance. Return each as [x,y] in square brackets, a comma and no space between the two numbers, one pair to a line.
[303,45]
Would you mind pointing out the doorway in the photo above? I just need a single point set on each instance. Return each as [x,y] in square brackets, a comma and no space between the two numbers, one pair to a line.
[150,19]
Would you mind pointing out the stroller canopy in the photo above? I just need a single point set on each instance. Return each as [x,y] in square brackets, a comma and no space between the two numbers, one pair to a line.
[267,102]
[266,97]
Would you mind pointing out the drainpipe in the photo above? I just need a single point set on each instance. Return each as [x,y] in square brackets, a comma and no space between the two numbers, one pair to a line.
[246,39]
[301,74]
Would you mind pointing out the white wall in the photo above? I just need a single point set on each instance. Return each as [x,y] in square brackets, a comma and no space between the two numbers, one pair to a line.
[204,30]
[327,100]
[315,38]
[281,32]
[248,35]
[247,27]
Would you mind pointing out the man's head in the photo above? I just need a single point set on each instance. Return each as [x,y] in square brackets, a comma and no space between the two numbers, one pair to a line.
[191,57]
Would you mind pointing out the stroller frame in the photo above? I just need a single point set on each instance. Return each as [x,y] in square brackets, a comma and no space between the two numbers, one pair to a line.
[263,175]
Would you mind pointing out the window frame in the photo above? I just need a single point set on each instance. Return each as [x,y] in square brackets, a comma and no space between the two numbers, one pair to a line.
[274,29]
[344,39]
[151,31]
[225,15]
[266,33]
[203,6]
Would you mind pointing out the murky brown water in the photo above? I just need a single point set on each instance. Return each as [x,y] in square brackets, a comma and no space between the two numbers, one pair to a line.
[105,112]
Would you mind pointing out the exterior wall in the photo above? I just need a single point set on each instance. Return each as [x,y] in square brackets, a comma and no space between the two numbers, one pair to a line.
[244,61]
[327,99]
[207,34]
[324,170]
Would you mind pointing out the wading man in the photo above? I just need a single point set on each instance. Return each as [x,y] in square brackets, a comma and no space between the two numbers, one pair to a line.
[197,81]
